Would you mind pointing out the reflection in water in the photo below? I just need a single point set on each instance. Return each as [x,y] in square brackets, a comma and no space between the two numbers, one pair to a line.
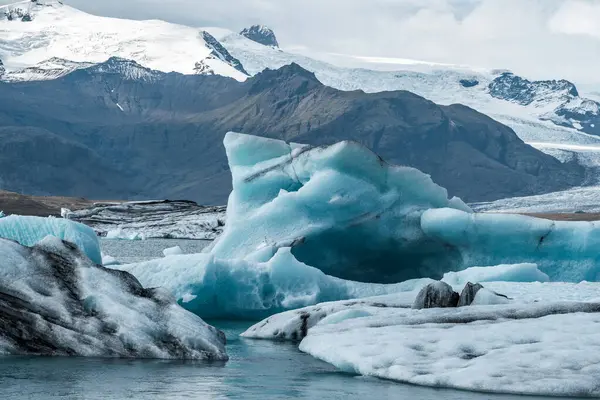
[257,370]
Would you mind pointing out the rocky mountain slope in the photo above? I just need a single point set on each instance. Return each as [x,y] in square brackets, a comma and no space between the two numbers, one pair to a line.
[119,130]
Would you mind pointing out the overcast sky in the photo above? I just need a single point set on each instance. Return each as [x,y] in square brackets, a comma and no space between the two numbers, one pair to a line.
[539,38]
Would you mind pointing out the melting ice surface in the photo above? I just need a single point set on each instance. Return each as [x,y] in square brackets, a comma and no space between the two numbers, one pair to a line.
[545,341]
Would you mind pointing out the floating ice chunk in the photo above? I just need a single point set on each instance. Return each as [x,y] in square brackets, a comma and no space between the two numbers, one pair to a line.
[57,302]
[108,260]
[565,251]
[172,251]
[30,230]
[537,349]
[340,208]
[504,273]
[545,348]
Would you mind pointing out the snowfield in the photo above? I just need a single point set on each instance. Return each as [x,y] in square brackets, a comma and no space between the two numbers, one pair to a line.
[58,31]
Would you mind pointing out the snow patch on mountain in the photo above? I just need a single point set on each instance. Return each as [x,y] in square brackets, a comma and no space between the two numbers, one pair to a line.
[52,68]
[59,31]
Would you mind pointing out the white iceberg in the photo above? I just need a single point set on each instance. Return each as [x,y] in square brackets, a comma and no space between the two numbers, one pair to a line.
[499,273]
[540,344]
[172,251]
[30,230]
[55,301]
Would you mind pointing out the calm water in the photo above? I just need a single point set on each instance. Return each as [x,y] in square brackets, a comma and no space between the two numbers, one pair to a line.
[256,370]
[130,251]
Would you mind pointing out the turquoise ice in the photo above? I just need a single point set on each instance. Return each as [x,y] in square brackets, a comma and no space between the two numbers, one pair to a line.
[30,230]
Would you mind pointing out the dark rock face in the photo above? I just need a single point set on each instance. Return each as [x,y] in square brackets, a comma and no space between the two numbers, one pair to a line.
[55,301]
[261,34]
[436,295]
[468,294]
[572,111]
[514,88]
[468,83]
[221,53]
[127,132]
[2,69]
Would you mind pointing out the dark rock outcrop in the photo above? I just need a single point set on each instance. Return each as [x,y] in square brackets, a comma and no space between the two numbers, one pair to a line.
[134,133]
[221,53]
[468,294]
[468,83]
[261,34]
[436,295]
[524,92]
[55,301]
[572,111]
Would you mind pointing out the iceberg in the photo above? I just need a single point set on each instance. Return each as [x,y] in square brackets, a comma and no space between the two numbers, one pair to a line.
[564,251]
[308,224]
[55,301]
[251,290]
[542,343]
[499,273]
[340,208]
[30,230]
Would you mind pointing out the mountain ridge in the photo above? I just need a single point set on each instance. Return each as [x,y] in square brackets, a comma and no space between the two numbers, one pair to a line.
[167,132]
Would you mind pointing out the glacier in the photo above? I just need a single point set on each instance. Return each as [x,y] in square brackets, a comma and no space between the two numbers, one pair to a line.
[55,301]
[30,230]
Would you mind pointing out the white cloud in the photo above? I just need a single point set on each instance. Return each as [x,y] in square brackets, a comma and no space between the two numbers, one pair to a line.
[577,18]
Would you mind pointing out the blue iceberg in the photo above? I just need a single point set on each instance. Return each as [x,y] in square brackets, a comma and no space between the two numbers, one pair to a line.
[28,231]
[340,208]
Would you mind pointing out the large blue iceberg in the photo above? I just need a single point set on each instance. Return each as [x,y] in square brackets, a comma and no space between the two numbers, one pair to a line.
[312,224]
[340,208]
[28,231]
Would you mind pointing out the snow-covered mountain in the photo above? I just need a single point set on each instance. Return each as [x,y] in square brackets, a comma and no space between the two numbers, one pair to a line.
[552,113]
[45,39]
